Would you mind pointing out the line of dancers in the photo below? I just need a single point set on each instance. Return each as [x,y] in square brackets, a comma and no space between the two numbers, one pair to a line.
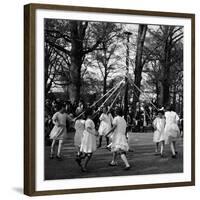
[113,129]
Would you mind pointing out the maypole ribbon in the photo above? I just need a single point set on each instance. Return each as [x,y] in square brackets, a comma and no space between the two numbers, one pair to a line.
[98,100]
[115,98]
[143,94]
[117,87]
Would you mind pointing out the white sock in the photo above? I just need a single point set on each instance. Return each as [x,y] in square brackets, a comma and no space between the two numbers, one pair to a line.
[59,148]
[123,157]
[172,148]
[161,148]
[52,146]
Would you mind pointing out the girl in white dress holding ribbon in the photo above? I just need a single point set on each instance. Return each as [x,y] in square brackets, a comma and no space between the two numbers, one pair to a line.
[171,129]
[79,127]
[105,126]
[159,126]
[119,142]
[88,143]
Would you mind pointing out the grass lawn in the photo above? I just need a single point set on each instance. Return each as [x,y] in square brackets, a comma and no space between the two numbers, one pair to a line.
[142,160]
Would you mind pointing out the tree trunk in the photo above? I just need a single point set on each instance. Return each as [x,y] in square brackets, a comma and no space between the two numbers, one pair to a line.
[105,84]
[157,93]
[174,96]
[75,75]
[165,73]
[48,67]
[105,79]
[160,94]
[138,63]
[76,61]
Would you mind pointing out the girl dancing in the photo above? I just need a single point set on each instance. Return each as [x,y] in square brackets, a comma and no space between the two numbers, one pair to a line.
[79,127]
[105,126]
[88,144]
[119,142]
[159,126]
[59,131]
[171,129]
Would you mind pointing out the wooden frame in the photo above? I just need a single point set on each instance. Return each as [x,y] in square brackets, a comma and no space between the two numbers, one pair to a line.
[30,94]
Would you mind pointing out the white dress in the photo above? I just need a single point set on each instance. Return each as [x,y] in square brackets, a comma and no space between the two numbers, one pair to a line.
[79,127]
[171,131]
[105,124]
[88,144]
[159,125]
[119,141]
[59,131]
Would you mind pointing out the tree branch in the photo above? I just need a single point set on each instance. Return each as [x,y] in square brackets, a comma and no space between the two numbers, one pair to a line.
[58,47]
[60,35]
[93,47]
[177,36]
[178,29]
[66,60]
[174,42]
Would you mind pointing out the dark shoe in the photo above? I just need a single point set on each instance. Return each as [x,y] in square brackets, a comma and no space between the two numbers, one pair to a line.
[174,156]
[162,155]
[51,156]
[108,148]
[112,164]
[78,160]
[59,158]
[83,169]
[127,168]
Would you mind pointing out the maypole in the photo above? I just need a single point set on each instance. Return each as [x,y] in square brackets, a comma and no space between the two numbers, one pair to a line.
[126,77]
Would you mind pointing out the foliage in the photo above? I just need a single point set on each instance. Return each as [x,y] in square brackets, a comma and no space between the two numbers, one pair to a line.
[86,59]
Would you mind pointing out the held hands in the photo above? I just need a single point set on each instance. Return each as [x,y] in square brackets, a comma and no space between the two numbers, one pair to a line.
[56,123]
[96,133]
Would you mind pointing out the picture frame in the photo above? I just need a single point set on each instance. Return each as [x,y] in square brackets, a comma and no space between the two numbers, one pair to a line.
[31,114]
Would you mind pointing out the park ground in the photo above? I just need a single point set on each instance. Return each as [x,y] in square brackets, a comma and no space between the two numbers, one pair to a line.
[142,158]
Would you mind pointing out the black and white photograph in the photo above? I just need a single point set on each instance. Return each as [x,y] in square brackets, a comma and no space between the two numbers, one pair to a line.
[100,99]
[113,99]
